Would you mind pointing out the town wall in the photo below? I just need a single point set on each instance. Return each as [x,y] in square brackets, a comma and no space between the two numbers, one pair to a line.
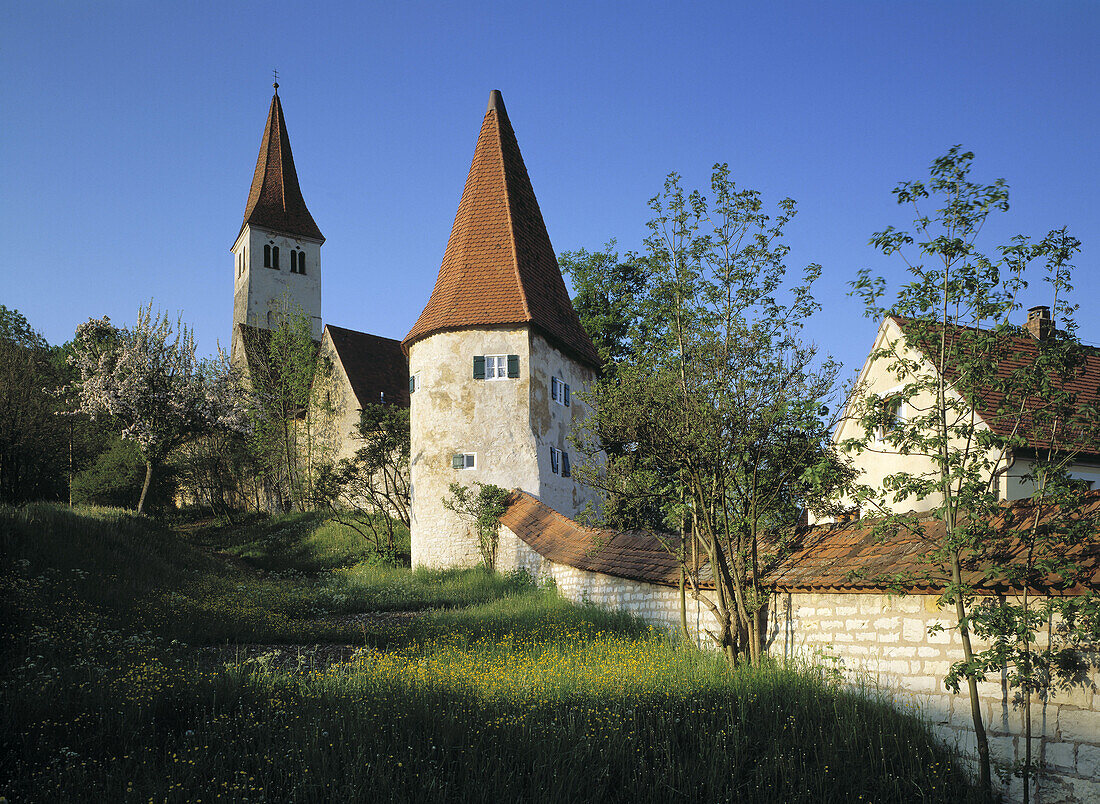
[881,643]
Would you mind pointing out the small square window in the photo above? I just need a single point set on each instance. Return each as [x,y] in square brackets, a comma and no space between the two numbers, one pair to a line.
[496,367]
[465,460]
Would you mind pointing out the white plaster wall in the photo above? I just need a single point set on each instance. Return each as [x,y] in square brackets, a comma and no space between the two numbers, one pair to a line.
[552,423]
[451,413]
[259,289]
[879,642]
[879,459]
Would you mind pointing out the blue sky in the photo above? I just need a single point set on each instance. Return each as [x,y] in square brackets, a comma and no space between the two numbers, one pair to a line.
[131,129]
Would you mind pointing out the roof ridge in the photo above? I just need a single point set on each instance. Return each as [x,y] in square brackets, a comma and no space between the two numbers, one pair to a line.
[496,98]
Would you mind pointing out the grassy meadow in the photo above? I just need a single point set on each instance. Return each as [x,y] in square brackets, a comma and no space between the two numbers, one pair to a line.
[278,660]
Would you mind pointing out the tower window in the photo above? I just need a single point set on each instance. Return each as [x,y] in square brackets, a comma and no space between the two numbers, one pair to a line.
[496,367]
[559,462]
[466,460]
[297,261]
[267,256]
[275,257]
[559,391]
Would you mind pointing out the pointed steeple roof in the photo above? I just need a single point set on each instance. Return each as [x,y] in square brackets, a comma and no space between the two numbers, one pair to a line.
[499,267]
[275,200]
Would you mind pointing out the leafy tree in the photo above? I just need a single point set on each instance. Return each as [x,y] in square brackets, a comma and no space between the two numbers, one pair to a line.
[371,489]
[608,291]
[484,508]
[955,310]
[115,478]
[146,379]
[33,449]
[719,404]
[213,469]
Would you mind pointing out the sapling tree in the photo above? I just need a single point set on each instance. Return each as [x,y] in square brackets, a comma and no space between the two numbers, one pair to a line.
[976,395]
[146,378]
[370,490]
[483,508]
[719,400]
[282,365]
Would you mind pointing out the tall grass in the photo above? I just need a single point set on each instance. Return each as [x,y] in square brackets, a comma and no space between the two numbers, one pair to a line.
[516,696]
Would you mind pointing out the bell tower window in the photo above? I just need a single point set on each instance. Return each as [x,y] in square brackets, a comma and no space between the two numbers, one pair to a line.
[297,261]
[275,257]
[267,256]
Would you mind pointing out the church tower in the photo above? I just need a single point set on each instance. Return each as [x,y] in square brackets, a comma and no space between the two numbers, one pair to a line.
[277,253]
[496,357]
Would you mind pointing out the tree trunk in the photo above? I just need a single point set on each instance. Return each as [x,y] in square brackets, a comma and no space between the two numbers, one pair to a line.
[971,682]
[145,486]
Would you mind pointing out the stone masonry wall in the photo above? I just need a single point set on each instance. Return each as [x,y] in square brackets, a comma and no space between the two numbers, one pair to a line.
[881,642]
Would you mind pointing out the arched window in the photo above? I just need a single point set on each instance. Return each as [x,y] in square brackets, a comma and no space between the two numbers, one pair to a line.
[293,261]
[267,256]
[301,262]
[275,257]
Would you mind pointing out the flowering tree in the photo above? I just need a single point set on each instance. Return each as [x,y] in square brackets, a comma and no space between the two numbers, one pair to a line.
[146,378]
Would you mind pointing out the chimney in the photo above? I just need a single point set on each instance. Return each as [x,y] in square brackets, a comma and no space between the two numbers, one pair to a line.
[1039,323]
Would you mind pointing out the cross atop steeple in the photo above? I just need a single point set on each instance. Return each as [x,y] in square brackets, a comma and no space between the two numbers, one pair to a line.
[275,76]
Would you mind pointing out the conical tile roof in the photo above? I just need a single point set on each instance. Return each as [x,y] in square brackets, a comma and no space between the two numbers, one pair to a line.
[275,200]
[499,267]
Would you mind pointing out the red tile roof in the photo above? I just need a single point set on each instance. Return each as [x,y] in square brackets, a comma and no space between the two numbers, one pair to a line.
[499,267]
[840,557]
[275,200]
[1020,352]
[376,366]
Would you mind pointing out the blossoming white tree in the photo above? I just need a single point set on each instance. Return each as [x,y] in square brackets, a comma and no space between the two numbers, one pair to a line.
[147,379]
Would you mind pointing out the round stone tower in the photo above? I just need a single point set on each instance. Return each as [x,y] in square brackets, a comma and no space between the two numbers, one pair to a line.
[495,358]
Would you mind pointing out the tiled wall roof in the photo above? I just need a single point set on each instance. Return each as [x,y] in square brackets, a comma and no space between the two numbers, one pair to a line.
[848,557]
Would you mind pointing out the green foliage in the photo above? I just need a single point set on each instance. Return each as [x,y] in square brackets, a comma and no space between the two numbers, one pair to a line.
[955,312]
[115,477]
[369,492]
[33,443]
[282,366]
[609,291]
[554,701]
[716,417]
[485,508]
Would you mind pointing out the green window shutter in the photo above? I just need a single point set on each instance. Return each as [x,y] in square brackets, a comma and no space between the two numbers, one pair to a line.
[412,383]
[479,367]
[458,461]
[565,472]
[566,394]
[513,366]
